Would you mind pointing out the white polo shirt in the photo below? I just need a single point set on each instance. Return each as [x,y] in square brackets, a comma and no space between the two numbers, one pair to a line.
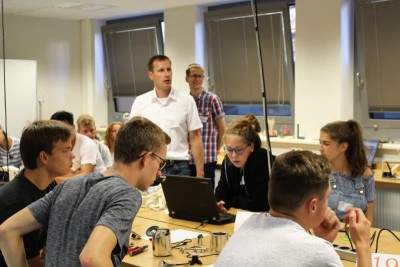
[176,114]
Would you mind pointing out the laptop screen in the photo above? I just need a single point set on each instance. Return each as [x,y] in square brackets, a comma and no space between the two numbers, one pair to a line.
[190,198]
[372,149]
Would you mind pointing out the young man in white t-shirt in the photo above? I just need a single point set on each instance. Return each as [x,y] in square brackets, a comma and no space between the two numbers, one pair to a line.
[87,156]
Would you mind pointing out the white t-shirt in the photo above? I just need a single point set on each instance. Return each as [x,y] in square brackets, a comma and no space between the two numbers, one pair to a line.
[105,153]
[86,152]
[264,240]
[177,115]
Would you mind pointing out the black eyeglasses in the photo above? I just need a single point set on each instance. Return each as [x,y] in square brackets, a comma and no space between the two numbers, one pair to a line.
[194,76]
[237,150]
[162,163]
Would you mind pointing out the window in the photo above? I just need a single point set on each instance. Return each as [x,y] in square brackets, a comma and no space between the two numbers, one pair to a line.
[128,46]
[234,65]
[378,47]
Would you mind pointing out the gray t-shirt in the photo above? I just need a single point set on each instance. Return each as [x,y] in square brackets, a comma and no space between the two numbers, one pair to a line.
[264,240]
[72,210]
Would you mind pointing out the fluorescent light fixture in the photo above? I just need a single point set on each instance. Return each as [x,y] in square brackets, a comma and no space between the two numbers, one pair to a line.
[69,5]
[96,7]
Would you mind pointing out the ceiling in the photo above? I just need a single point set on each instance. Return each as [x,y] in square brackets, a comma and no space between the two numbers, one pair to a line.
[96,9]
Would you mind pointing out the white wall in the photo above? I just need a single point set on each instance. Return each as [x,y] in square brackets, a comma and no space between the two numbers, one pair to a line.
[55,45]
[184,41]
[324,64]
[70,69]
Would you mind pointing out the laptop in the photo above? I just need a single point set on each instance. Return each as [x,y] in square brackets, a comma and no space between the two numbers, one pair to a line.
[372,148]
[192,199]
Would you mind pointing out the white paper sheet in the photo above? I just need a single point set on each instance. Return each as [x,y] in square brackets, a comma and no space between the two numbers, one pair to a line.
[241,217]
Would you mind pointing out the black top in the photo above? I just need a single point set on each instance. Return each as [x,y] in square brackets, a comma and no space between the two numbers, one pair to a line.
[16,195]
[253,195]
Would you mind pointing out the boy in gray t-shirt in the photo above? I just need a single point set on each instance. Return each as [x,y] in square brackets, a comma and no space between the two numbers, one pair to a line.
[89,218]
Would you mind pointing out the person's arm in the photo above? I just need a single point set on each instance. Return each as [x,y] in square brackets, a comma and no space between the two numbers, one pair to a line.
[329,227]
[221,128]
[360,229]
[84,169]
[223,191]
[370,212]
[197,151]
[35,262]
[98,249]
[11,233]
[256,184]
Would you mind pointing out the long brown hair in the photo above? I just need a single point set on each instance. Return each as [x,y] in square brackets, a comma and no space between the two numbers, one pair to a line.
[350,132]
[107,139]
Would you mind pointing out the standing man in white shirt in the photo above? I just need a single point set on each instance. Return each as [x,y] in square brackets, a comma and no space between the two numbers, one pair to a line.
[176,113]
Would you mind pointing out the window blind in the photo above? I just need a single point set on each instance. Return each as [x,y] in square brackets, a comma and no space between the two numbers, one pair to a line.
[128,47]
[379,24]
[233,55]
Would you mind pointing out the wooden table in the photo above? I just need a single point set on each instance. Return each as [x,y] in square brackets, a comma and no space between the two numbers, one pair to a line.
[146,218]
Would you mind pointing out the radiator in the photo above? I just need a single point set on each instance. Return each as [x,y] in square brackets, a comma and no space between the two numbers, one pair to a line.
[387,209]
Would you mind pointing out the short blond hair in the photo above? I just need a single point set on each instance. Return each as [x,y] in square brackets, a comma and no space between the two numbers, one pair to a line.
[85,120]
[193,66]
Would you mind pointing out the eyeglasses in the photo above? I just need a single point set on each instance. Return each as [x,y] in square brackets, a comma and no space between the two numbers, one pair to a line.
[194,76]
[237,150]
[162,163]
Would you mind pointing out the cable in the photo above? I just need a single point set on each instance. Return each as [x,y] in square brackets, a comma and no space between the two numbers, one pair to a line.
[379,233]
[4,89]
[201,224]
[181,243]
[372,239]
[348,237]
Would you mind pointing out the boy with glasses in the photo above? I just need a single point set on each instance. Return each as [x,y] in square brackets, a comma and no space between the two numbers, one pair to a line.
[89,218]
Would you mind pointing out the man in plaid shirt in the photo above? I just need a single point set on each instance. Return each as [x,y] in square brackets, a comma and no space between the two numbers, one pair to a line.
[212,116]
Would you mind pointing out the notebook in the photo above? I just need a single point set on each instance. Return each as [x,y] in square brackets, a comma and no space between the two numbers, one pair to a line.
[192,199]
[372,148]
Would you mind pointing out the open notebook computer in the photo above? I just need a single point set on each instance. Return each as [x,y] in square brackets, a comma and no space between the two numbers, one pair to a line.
[372,148]
[192,199]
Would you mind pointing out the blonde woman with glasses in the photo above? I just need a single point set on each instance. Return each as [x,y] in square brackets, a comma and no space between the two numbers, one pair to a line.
[244,171]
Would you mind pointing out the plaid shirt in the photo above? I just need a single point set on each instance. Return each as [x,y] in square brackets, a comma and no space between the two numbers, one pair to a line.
[210,109]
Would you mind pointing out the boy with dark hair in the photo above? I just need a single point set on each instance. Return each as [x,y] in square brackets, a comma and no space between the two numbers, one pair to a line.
[298,197]
[89,218]
[46,153]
